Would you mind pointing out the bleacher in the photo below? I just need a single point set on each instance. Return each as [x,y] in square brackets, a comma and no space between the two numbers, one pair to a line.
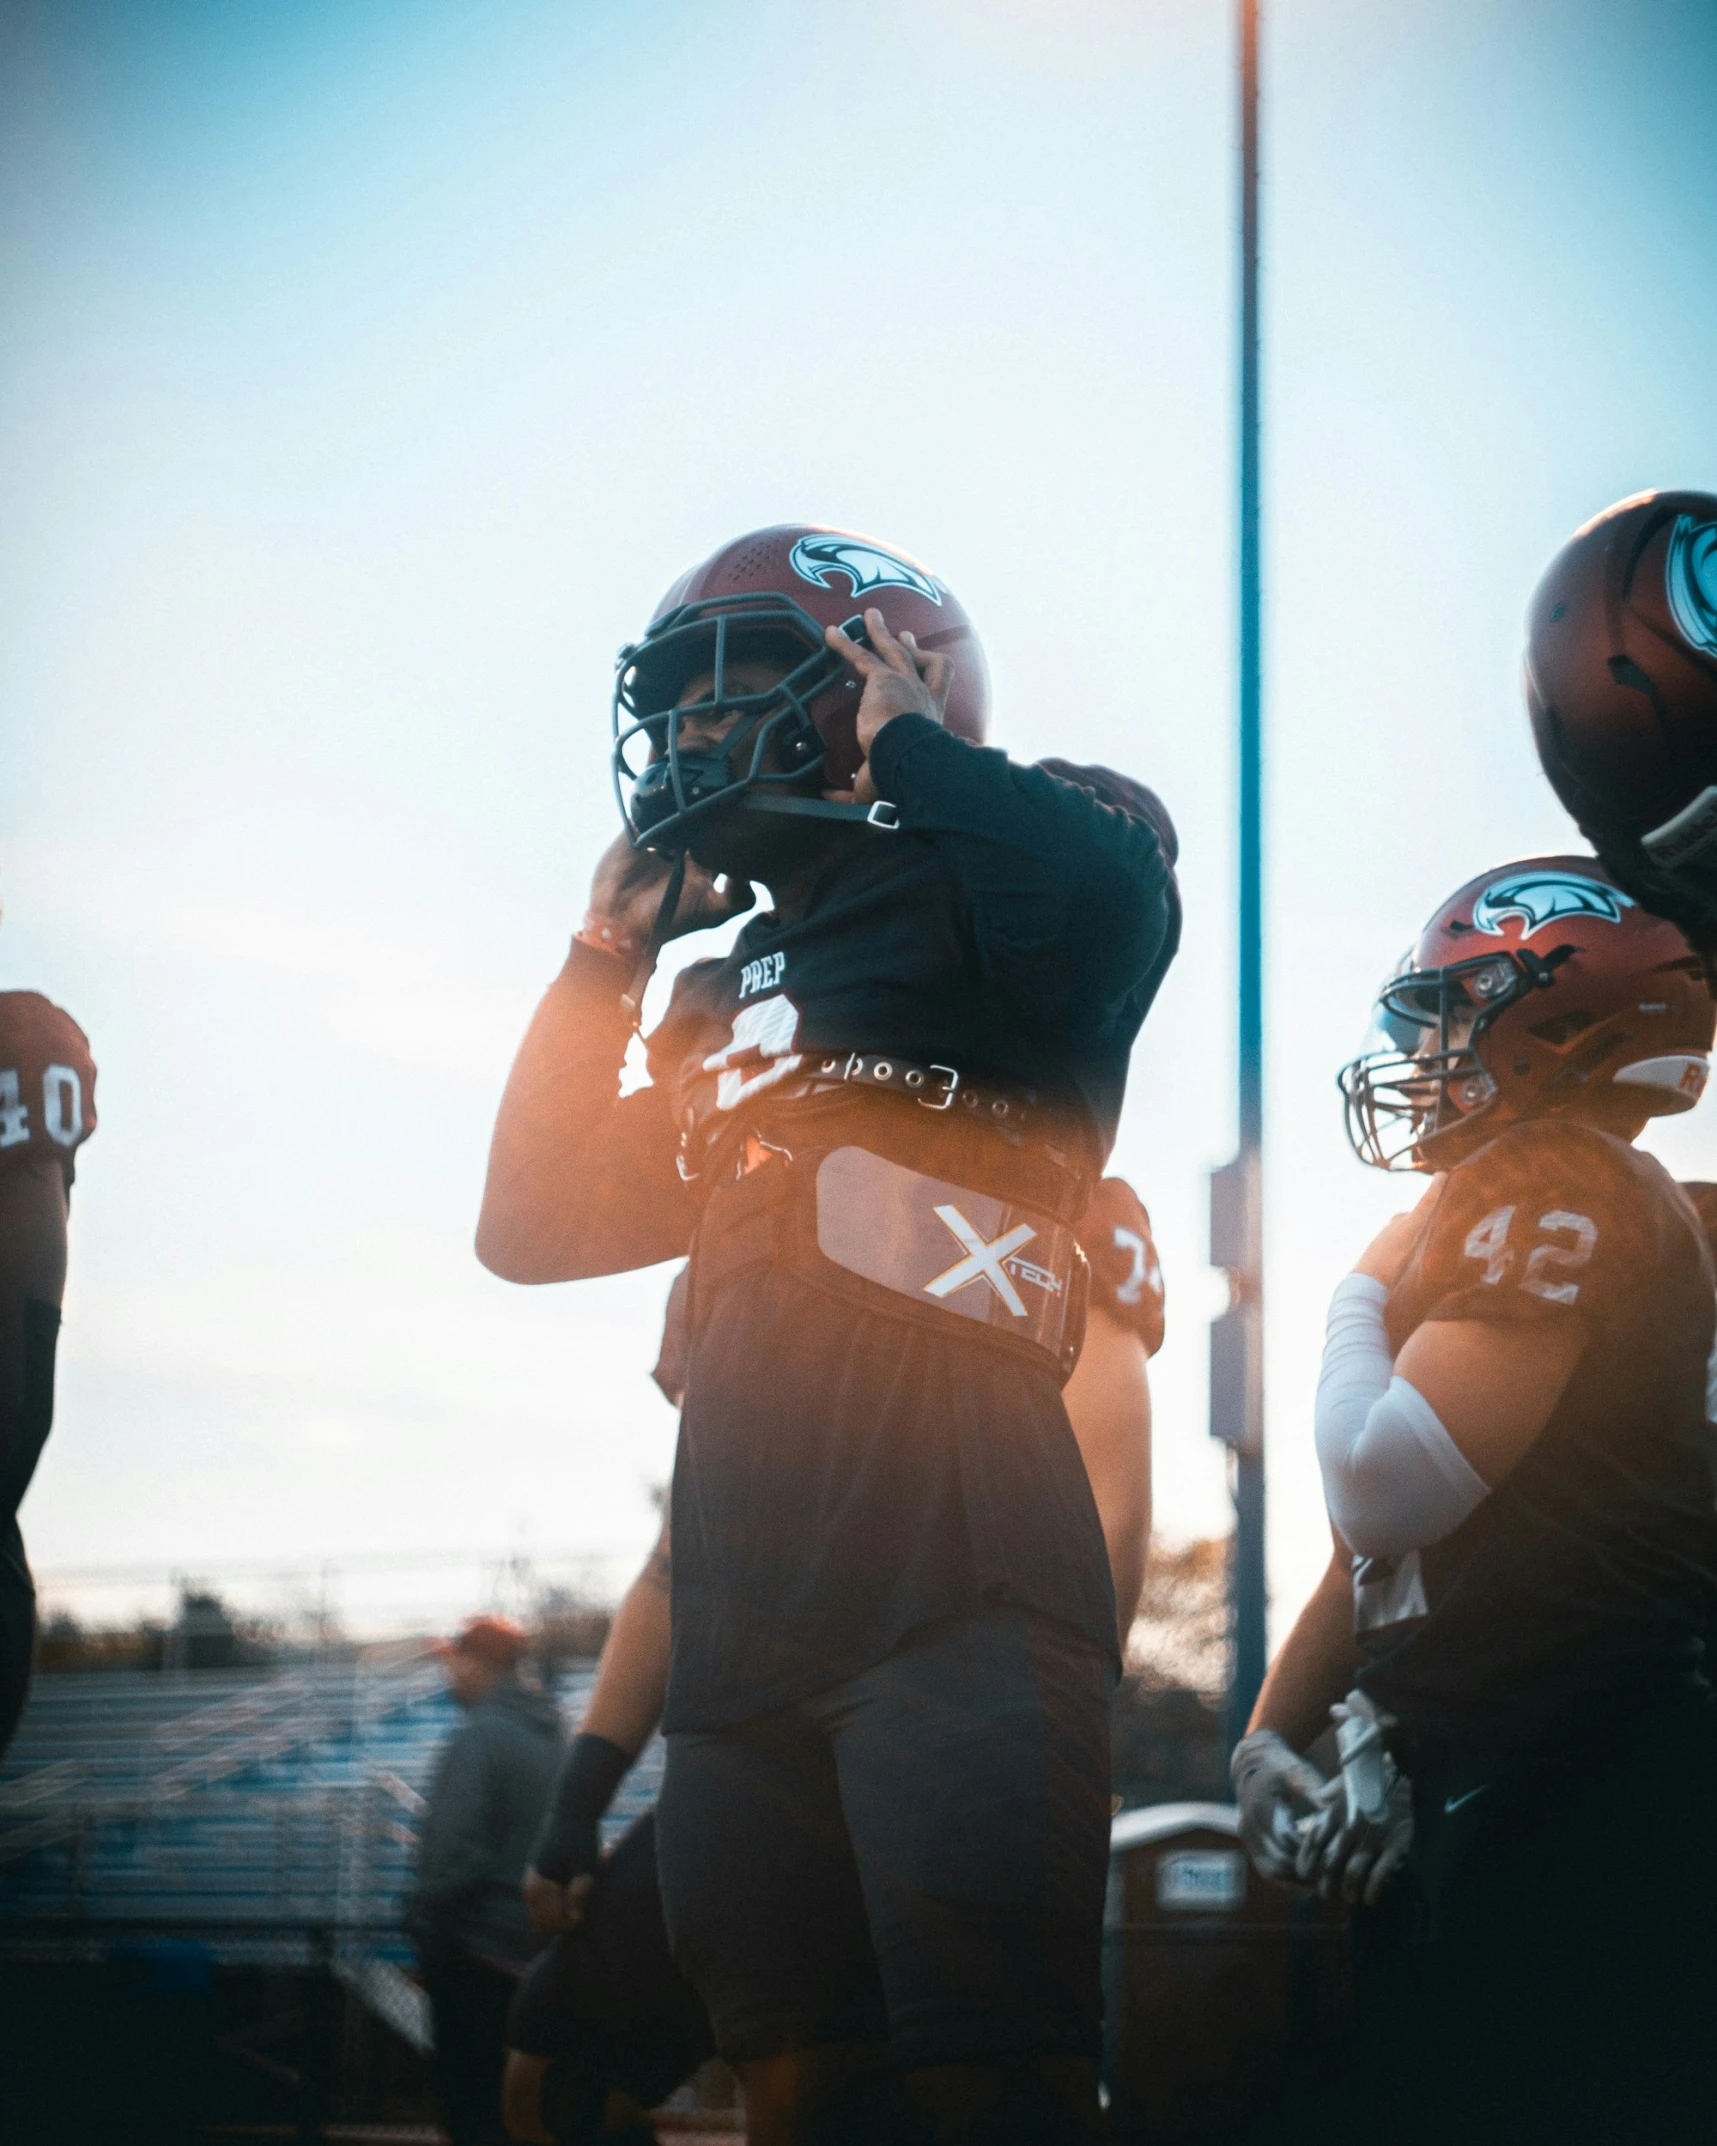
[265,1813]
[224,1857]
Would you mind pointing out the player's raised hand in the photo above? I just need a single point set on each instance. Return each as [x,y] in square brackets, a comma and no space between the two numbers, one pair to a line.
[627,890]
[1398,1239]
[899,678]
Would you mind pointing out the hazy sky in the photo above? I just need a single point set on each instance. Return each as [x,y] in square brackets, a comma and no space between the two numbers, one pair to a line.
[367,370]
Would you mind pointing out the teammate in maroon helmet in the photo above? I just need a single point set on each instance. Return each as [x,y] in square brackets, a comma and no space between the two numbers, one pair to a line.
[1512,1428]
[1621,682]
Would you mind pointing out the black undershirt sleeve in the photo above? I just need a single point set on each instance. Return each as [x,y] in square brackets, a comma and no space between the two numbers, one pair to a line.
[1069,897]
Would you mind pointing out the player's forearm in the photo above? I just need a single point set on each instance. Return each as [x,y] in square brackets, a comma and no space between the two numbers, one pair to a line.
[1316,1663]
[632,1677]
[1127,1558]
[1127,1553]
[579,1182]
[1027,844]
[1124,1496]
[1108,1402]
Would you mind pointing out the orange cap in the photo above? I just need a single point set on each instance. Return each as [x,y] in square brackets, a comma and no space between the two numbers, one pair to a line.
[491,1639]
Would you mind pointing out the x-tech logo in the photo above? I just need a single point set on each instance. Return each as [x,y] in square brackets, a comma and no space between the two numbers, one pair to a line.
[983,1261]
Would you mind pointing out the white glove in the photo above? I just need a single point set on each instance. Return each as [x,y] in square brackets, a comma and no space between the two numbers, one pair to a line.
[1363,1827]
[1278,1792]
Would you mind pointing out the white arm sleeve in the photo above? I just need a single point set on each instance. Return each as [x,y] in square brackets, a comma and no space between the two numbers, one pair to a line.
[1394,1479]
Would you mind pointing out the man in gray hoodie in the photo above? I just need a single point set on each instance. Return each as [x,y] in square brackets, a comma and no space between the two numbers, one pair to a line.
[473,1936]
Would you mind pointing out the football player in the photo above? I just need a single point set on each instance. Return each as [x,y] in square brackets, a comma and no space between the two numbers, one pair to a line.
[1511,1425]
[47,1112]
[1621,683]
[605,2026]
[883,1828]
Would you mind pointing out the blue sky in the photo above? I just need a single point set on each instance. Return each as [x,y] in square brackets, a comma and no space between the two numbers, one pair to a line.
[367,371]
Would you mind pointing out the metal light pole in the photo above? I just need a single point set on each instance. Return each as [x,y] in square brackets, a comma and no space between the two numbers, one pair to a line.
[1236,1191]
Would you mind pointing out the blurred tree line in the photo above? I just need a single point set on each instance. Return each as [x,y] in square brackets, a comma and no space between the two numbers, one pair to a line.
[1168,1724]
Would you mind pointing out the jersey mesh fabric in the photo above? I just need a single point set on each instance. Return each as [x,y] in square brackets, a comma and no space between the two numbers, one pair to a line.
[844,1477]
[1579,1588]
[47,1084]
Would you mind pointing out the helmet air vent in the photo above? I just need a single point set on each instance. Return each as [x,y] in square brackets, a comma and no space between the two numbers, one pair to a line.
[751,562]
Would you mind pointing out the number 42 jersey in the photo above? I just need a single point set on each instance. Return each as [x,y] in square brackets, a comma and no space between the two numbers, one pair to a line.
[47,1084]
[1579,1590]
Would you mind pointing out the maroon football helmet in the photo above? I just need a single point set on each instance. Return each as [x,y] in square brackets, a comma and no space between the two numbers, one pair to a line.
[770,594]
[1621,682]
[1541,989]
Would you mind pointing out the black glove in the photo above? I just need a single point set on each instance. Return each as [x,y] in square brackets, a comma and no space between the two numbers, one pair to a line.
[569,1842]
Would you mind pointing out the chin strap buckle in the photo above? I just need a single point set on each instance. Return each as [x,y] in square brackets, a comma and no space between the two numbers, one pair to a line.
[1541,968]
[945,1101]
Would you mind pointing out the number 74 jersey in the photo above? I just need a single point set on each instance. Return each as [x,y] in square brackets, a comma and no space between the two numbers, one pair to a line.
[1582,1584]
[47,1084]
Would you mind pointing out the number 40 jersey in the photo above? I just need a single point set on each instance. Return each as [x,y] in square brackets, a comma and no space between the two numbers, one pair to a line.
[1580,1589]
[47,1084]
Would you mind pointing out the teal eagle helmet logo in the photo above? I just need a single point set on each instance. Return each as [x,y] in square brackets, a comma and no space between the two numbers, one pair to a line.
[1540,896]
[1690,571]
[815,558]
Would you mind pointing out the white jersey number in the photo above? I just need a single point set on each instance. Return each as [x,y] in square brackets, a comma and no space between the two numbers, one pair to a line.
[62,1108]
[759,1053]
[1550,1261]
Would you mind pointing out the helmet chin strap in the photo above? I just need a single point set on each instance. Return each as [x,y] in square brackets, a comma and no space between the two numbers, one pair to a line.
[633,999]
[882,814]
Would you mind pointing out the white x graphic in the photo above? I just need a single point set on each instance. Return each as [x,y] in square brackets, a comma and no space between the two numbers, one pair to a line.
[985,1262]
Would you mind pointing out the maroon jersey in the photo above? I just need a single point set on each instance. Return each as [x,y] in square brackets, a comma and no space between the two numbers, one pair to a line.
[1580,1587]
[1126,1277]
[47,1083]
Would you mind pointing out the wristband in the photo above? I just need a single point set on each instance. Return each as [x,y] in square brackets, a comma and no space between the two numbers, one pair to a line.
[566,1845]
[606,937]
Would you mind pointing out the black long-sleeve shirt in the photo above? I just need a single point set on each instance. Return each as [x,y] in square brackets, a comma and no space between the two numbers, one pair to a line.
[844,1476]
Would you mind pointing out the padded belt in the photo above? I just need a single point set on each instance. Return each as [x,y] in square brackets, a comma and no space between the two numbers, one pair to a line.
[889,1238]
[933,1087]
